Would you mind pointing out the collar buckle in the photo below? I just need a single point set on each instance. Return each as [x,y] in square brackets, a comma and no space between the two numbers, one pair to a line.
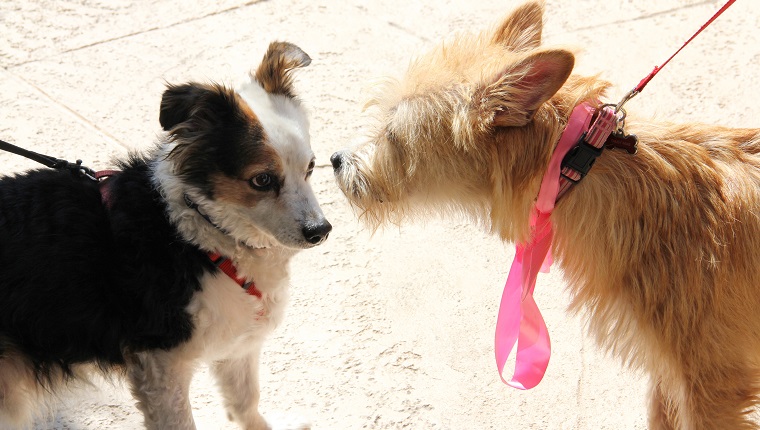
[579,160]
[577,163]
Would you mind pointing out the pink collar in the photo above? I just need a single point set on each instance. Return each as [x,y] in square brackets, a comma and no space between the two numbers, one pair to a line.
[519,319]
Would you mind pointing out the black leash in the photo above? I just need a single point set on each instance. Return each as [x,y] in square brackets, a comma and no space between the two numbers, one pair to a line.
[55,163]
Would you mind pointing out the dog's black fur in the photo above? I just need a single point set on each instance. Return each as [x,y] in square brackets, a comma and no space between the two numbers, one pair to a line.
[111,277]
[81,281]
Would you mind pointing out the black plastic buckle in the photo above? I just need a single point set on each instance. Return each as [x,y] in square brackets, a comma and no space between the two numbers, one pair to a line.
[582,157]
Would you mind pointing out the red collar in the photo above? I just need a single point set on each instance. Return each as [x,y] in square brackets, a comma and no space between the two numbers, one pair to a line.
[225,265]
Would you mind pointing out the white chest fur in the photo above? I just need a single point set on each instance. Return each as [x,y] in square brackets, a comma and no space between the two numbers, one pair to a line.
[229,322]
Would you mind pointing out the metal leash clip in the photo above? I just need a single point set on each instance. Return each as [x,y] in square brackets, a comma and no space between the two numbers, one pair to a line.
[619,138]
[76,169]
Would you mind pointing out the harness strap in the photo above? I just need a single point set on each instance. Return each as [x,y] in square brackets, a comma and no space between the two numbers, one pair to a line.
[225,265]
[102,177]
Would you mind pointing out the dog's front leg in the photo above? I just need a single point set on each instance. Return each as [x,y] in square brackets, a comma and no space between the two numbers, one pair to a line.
[238,379]
[661,409]
[160,382]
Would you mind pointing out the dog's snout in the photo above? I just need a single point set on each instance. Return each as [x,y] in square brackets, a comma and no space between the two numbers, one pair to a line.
[317,232]
[337,160]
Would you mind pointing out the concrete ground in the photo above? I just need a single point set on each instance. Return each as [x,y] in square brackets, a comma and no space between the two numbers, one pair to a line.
[387,331]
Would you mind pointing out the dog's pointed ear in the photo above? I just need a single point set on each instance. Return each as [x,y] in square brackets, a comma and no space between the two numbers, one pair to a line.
[194,104]
[274,71]
[513,97]
[521,30]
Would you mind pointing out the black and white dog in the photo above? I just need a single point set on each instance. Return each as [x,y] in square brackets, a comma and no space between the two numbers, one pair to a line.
[148,272]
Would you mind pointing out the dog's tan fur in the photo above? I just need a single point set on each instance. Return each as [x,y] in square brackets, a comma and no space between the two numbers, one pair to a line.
[660,249]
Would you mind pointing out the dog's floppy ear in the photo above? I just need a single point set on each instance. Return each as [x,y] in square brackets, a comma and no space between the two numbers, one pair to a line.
[193,101]
[274,71]
[178,102]
[521,30]
[515,95]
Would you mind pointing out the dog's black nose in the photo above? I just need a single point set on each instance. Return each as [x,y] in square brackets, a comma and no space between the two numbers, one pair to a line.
[316,232]
[337,160]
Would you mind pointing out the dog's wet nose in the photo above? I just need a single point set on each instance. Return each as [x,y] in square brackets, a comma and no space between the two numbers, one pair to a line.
[317,232]
[337,160]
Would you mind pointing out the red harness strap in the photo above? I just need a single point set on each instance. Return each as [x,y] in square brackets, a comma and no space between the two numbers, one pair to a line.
[105,193]
[225,265]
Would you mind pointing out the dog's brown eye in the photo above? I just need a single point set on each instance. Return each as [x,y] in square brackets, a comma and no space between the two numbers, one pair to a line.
[310,169]
[262,182]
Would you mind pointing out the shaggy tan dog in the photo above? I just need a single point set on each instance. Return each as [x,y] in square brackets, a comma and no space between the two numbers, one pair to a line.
[661,249]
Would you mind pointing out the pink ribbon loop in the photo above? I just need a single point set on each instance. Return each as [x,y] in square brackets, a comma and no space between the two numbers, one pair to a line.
[520,321]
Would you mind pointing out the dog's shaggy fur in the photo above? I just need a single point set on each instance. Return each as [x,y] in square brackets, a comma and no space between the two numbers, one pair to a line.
[117,274]
[660,249]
